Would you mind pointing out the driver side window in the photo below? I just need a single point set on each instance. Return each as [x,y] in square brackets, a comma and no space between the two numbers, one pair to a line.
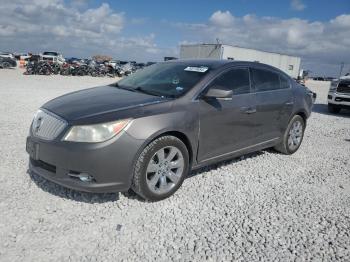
[236,80]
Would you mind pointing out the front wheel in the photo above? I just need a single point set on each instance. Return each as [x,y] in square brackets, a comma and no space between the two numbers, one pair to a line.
[161,168]
[6,65]
[293,136]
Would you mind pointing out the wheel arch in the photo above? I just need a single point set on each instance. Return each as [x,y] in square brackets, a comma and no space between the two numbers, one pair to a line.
[180,135]
[302,114]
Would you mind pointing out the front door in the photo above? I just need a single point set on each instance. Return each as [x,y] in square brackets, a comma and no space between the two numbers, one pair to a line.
[227,125]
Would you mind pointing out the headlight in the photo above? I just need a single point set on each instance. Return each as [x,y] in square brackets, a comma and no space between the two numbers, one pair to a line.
[333,87]
[96,133]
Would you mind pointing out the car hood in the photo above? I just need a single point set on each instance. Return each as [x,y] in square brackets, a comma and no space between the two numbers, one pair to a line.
[93,102]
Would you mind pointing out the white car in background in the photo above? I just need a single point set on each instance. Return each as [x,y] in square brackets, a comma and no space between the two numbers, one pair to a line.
[24,56]
[7,54]
[53,57]
[339,95]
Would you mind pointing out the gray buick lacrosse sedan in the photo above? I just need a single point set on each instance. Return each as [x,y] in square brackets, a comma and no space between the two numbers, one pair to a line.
[149,130]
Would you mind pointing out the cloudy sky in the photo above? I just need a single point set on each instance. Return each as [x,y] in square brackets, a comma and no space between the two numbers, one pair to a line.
[316,30]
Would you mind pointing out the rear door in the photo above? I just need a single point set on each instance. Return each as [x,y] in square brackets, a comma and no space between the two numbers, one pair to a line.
[227,125]
[274,102]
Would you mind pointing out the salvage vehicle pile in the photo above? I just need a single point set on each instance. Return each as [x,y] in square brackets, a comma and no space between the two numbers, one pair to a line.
[79,68]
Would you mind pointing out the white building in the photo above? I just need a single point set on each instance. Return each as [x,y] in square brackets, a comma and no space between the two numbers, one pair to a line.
[286,63]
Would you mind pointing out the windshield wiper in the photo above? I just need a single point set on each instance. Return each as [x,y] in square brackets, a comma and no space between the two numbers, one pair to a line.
[142,90]
[124,87]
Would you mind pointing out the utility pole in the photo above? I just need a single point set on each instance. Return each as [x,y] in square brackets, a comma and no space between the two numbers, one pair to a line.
[341,68]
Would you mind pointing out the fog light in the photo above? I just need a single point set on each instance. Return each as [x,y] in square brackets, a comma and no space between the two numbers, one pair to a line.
[84,177]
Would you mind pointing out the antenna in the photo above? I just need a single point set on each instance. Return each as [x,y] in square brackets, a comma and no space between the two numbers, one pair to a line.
[341,68]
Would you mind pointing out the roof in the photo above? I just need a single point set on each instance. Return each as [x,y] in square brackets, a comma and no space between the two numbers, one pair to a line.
[217,63]
[213,63]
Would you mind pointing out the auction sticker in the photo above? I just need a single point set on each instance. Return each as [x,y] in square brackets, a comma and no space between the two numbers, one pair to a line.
[199,69]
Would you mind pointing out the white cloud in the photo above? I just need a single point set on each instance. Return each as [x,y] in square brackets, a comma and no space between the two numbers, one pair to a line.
[39,25]
[297,5]
[316,42]
[74,30]
[224,19]
[341,21]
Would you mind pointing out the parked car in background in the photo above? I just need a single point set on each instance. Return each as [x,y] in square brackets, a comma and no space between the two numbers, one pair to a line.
[168,58]
[53,57]
[148,131]
[24,56]
[7,62]
[7,54]
[318,78]
[72,60]
[126,67]
[339,95]
[150,63]
[113,63]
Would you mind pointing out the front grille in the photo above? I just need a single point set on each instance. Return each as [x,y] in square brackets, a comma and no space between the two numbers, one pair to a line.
[43,165]
[343,87]
[342,99]
[47,126]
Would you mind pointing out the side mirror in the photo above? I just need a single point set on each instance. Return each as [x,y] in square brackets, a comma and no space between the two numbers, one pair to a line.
[219,93]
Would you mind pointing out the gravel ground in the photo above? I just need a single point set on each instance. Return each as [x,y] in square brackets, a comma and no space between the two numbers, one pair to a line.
[264,206]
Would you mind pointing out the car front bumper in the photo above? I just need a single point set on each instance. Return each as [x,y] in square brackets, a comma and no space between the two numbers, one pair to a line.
[109,163]
[339,99]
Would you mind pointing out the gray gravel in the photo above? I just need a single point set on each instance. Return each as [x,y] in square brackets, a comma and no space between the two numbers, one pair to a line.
[264,206]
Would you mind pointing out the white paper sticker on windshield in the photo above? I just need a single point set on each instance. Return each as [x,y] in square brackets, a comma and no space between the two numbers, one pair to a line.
[200,69]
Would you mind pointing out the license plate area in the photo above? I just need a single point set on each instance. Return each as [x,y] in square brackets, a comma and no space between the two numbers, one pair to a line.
[32,149]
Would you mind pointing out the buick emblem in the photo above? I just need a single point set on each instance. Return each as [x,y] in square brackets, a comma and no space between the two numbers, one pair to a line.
[38,123]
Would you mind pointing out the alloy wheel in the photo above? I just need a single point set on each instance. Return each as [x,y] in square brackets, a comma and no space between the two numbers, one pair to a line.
[295,135]
[165,169]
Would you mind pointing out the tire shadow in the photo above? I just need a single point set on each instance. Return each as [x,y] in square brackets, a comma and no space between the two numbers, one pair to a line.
[323,109]
[220,164]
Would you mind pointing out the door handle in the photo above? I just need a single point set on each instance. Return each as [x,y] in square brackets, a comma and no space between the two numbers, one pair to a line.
[248,110]
[289,103]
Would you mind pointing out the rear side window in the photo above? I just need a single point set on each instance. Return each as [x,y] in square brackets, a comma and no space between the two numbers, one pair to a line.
[265,80]
[284,82]
[236,79]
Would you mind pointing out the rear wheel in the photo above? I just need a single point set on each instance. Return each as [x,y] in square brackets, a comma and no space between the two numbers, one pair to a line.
[161,168]
[333,109]
[293,136]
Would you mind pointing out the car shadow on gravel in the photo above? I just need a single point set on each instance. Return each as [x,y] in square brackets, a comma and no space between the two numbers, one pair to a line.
[93,198]
[220,164]
[60,191]
[323,109]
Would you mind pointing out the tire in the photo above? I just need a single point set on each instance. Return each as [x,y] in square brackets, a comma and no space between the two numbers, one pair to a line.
[151,176]
[333,109]
[6,65]
[292,139]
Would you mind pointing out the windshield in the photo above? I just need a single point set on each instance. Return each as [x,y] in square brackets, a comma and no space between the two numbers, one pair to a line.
[50,53]
[165,79]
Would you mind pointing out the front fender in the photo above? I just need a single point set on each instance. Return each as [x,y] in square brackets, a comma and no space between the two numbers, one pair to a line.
[150,127]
